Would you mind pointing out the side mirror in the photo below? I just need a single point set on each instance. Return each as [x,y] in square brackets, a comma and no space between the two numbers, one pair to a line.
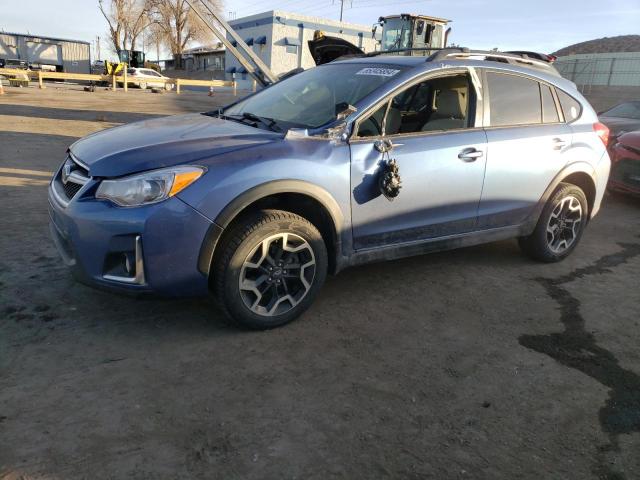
[343,110]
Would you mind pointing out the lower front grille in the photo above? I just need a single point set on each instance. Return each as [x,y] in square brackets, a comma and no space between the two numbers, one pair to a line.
[70,189]
[70,180]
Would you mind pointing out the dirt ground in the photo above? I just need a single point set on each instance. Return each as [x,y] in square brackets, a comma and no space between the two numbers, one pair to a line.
[472,364]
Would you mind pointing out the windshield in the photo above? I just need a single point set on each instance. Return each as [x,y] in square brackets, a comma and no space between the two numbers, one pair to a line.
[314,97]
[396,34]
[625,110]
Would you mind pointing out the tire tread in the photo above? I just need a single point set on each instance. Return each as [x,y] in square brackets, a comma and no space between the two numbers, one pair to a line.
[239,232]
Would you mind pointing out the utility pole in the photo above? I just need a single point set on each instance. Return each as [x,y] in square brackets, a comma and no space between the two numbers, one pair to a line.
[342,7]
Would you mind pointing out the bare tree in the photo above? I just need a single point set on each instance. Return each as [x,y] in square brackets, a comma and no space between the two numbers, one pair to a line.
[180,26]
[138,19]
[155,38]
[126,19]
[115,19]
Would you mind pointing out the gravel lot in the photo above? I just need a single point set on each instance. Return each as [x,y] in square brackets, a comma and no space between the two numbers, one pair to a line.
[475,364]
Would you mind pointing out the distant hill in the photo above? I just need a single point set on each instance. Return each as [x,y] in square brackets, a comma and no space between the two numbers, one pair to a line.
[622,43]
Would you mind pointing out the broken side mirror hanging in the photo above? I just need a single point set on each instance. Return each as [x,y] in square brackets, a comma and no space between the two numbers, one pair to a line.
[389,181]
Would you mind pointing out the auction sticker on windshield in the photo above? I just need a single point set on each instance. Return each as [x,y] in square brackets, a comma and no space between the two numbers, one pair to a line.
[379,72]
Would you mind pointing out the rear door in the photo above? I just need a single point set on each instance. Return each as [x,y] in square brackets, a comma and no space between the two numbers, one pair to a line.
[526,145]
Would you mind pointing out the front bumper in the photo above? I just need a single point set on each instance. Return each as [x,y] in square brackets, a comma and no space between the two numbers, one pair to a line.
[164,241]
[625,170]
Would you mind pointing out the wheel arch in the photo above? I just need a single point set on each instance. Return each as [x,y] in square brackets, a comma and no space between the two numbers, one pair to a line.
[579,173]
[297,196]
[586,183]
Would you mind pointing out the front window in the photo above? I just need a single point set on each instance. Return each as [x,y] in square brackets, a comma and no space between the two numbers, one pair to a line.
[441,103]
[396,34]
[624,110]
[314,97]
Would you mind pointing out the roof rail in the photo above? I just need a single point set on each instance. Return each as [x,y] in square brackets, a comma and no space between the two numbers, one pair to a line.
[401,50]
[492,55]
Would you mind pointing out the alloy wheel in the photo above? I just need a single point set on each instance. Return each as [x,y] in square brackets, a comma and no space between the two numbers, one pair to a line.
[277,274]
[564,224]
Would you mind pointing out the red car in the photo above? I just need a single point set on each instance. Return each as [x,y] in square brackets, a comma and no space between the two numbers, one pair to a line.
[625,163]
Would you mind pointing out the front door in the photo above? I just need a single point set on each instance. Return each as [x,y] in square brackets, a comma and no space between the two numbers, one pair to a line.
[441,158]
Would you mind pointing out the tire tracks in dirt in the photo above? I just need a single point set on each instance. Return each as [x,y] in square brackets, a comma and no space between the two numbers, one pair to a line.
[576,348]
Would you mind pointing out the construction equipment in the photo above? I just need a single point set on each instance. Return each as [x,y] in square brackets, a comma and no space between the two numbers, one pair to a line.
[133,58]
[111,68]
[409,34]
[404,34]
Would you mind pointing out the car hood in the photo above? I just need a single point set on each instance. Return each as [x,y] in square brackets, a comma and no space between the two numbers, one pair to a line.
[620,124]
[164,142]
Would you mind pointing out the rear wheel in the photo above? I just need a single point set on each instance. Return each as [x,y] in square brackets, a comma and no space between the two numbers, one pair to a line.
[559,227]
[270,268]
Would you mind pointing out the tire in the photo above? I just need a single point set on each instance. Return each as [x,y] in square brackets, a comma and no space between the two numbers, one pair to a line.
[258,290]
[168,87]
[143,85]
[557,232]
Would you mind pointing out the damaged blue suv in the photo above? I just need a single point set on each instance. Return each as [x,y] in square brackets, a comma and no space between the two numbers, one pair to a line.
[362,159]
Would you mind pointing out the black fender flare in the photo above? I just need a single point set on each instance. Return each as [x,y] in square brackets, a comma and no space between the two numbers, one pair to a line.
[570,169]
[242,201]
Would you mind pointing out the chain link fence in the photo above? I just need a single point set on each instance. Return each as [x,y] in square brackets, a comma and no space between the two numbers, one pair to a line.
[601,70]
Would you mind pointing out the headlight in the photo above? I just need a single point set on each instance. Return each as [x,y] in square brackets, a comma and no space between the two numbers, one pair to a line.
[149,187]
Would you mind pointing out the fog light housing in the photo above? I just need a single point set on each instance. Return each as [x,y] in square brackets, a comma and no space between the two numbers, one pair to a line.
[126,266]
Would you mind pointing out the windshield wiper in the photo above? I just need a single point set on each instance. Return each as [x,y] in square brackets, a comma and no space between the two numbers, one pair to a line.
[270,123]
[247,117]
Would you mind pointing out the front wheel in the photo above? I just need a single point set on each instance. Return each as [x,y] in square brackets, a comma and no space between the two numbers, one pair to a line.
[559,227]
[270,268]
[143,85]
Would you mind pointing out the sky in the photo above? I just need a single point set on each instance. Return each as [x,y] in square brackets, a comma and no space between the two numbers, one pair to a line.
[537,25]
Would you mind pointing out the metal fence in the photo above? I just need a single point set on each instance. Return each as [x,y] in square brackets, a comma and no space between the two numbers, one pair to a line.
[601,69]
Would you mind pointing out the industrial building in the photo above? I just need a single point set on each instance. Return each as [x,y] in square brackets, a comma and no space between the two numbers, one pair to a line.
[71,56]
[207,62]
[280,40]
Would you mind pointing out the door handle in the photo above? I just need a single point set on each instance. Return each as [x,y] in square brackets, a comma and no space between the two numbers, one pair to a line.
[470,155]
[559,144]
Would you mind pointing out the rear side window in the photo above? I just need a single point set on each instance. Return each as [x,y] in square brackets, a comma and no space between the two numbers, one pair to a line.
[570,106]
[514,100]
[549,110]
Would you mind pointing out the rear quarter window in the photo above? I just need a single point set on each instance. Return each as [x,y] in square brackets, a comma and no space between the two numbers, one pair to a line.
[549,110]
[514,100]
[571,108]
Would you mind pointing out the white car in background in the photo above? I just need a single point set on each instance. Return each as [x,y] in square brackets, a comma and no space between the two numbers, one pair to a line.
[147,78]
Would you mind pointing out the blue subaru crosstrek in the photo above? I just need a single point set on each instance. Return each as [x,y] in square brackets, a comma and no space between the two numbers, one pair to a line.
[362,159]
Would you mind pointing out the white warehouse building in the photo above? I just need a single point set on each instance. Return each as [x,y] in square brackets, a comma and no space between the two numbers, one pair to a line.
[280,40]
[72,56]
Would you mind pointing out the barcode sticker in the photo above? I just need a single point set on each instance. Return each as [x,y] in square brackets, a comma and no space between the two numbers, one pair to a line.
[378,72]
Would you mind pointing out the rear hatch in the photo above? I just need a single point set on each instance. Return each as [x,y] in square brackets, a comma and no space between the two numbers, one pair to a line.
[325,49]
